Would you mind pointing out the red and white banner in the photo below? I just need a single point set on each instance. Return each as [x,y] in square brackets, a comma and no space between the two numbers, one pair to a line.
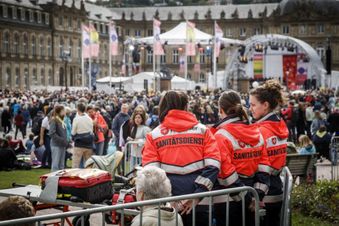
[290,70]
[190,39]
[218,36]
[86,49]
[94,36]
[158,50]
[113,38]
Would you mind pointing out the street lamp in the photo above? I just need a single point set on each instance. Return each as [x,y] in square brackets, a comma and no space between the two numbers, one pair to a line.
[66,57]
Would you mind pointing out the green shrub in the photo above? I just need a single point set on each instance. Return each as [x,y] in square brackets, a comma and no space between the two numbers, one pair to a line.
[319,200]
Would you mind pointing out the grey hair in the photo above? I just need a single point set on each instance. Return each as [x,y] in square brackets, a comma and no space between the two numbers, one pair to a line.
[153,182]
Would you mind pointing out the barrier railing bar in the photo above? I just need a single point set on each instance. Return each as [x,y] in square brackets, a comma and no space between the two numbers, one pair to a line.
[159,215]
[193,214]
[243,208]
[227,210]
[141,213]
[210,204]
[122,217]
[136,204]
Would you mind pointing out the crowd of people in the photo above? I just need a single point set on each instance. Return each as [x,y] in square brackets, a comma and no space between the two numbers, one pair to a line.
[229,139]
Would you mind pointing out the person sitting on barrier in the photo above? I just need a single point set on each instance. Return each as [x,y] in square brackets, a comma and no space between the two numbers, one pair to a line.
[244,159]
[186,150]
[16,207]
[306,145]
[264,100]
[152,183]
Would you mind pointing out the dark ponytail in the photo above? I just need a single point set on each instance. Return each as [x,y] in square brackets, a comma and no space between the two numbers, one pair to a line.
[230,103]
[269,92]
[170,101]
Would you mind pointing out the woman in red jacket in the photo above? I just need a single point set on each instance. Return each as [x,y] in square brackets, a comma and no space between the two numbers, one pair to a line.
[243,158]
[263,102]
[186,150]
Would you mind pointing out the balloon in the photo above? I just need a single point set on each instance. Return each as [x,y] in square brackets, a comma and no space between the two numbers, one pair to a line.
[255,84]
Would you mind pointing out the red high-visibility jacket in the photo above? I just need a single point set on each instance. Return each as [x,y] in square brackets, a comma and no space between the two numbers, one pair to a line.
[242,150]
[275,133]
[186,150]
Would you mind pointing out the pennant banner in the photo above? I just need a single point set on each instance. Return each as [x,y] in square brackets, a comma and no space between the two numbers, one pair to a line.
[218,36]
[158,50]
[258,66]
[86,49]
[302,72]
[113,39]
[182,64]
[94,36]
[190,36]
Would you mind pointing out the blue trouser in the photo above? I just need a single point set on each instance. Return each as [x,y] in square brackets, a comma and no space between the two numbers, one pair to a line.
[58,158]
[99,148]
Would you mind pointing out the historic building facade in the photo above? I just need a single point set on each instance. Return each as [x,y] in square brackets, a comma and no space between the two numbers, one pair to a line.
[35,34]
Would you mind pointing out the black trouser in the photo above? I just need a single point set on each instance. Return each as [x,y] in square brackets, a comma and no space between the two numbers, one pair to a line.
[7,128]
[201,217]
[22,130]
[234,214]
[308,129]
[273,209]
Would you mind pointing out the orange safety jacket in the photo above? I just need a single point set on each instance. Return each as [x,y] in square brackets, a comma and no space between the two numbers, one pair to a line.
[243,154]
[186,150]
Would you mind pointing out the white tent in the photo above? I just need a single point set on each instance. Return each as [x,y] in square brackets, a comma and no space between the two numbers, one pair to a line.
[180,83]
[136,82]
[221,80]
[112,79]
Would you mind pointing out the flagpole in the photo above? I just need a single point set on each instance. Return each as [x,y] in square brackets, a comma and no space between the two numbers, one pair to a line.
[186,66]
[90,61]
[82,59]
[154,66]
[215,58]
[110,58]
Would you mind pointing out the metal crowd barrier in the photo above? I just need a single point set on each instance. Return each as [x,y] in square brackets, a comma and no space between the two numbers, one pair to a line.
[130,161]
[334,153]
[287,179]
[123,209]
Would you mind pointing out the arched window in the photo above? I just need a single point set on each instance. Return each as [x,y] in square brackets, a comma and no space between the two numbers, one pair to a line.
[33,46]
[17,77]
[70,46]
[61,46]
[25,44]
[50,77]
[42,76]
[79,49]
[49,47]
[16,43]
[5,45]
[26,74]
[42,46]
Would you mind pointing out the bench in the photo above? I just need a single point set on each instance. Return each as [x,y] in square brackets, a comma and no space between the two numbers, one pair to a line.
[301,165]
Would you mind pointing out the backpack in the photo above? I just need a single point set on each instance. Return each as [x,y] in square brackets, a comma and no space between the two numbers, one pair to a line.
[154,123]
[36,125]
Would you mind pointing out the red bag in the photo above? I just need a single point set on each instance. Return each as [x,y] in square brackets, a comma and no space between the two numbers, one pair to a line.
[89,185]
[124,196]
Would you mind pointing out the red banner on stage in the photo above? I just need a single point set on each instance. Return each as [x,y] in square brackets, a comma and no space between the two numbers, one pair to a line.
[290,71]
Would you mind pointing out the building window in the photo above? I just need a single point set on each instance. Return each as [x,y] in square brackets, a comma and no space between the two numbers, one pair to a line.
[31,18]
[149,56]
[70,22]
[16,43]
[285,29]
[8,76]
[42,46]
[49,47]
[257,31]
[17,77]
[137,33]
[175,56]
[101,28]
[79,24]
[302,29]
[242,31]
[6,42]
[61,46]
[47,18]
[14,16]
[320,28]
[163,59]
[70,46]
[25,44]
[149,32]
[127,32]
[50,77]
[202,56]
[23,14]
[34,77]
[228,32]
[61,20]
[190,59]
[5,11]
[26,74]
[321,52]
[202,78]
[39,17]
[42,76]
[33,45]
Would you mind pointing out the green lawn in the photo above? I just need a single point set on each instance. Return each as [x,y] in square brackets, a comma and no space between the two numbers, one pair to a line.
[21,177]
[300,220]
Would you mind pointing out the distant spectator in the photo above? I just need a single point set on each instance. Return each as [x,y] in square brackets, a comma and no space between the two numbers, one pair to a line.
[317,122]
[16,207]
[322,140]
[29,143]
[306,145]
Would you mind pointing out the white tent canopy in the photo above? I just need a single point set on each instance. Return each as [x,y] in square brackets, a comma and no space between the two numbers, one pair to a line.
[179,83]
[112,79]
[136,82]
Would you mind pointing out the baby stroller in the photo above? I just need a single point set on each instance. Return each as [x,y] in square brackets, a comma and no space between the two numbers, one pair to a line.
[123,186]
